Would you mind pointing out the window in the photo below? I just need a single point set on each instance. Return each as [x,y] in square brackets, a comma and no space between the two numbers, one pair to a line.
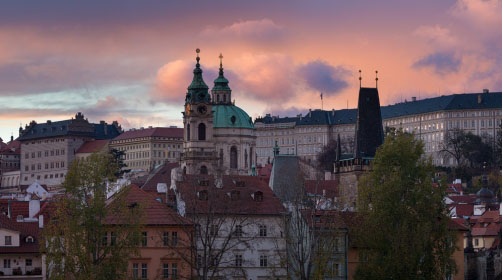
[144,239]
[174,238]
[263,230]
[476,242]
[233,157]
[202,131]
[238,230]
[104,239]
[188,132]
[203,170]
[113,238]
[263,261]
[174,269]
[6,263]
[238,260]
[144,270]
[165,271]
[135,270]
[28,262]
[213,230]
[165,239]
[8,240]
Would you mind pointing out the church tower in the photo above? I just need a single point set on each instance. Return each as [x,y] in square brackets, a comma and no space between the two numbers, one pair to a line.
[221,92]
[199,154]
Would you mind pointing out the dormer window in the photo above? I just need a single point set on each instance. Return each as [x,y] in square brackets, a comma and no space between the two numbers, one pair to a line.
[19,218]
[258,196]
[30,239]
[202,195]
[235,195]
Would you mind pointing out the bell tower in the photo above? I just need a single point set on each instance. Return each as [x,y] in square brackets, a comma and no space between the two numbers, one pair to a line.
[199,153]
[221,92]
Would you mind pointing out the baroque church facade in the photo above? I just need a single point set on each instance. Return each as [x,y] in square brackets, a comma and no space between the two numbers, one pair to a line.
[219,137]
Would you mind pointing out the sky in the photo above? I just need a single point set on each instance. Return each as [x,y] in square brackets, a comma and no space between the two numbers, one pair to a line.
[132,61]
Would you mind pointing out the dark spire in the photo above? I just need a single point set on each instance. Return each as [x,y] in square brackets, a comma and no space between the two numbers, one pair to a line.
[197,90]
[376,79]
[369,128]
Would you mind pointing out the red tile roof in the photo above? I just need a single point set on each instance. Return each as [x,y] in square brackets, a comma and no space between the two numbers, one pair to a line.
[170,132]
[26,229]
[236,195]
[92,146]
[161,174]
[11,148]
[468,198]
[458,224]
[463,210]
[322,187]
[155,212]
[19,208]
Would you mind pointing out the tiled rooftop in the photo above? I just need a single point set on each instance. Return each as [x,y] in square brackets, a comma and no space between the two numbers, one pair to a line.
[171,132]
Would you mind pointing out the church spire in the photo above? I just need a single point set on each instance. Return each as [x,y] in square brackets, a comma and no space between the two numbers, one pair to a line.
[197,90]
[221,91]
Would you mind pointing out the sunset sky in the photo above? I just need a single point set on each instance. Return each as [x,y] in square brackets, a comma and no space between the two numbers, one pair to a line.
[132,61]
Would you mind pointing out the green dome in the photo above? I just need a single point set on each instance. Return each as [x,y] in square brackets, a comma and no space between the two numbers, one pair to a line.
[231,116]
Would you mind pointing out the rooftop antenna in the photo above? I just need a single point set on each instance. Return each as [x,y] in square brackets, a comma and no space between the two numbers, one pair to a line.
[376,78]
[360,78]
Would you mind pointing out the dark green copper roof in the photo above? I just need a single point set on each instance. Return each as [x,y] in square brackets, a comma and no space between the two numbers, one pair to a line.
[221,83]
[197,90]
[230,116]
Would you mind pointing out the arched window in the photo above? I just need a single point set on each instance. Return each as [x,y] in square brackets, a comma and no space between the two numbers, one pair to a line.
[251,157]
[188,132]
[233,157]
[184,170]
[203,170]
[224,98]
[246,158]
[218,97]
[202,131]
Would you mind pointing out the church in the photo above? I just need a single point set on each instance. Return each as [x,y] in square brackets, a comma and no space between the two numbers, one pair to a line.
[219,137]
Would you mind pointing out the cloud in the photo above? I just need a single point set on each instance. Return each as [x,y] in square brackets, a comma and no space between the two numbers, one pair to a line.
[172,81]
[484,13]
[323,77]
[442,63]
[255,30]
[436,36]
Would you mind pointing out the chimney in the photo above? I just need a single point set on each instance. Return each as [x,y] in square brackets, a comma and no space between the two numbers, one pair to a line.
[101,122]
[34,207]
[413,98]
[49,122]
[11,138]
[480,99]
[485,90]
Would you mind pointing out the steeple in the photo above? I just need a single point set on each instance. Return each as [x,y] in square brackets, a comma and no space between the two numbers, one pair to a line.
[221,91]
[197,90]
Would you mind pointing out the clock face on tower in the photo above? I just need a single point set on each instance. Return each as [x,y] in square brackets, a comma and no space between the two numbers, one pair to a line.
[202,109]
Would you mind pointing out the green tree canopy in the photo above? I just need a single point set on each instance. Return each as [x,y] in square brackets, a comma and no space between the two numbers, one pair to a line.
[88,236]
[404,224]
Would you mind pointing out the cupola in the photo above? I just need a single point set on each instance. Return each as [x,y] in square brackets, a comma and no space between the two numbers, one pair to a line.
[198,91]
[221,92]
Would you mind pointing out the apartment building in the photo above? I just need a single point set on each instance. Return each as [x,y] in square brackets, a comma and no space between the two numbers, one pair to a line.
[47,149]
[9,161]
[146,148]
[429,119]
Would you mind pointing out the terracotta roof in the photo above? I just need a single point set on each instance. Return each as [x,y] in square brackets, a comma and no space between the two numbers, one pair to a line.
[320,187]
[26,229]
[468,198]
[464,210]
[236,195]
[171,132]
[491,229]
[162,174]
[19,208]
[11,148]
[92,146]
[155,212]
[458,224]
[455,188]
[324,218]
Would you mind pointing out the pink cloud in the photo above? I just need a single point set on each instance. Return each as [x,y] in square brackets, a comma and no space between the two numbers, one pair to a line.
[486,13]
[264,29]
[172,81]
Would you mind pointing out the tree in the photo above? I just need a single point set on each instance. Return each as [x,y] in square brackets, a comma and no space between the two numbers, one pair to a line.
[119,156]
[225,211]
[327,156]
[453,145]
[404,231]
[498,146]
[469,148]
[87,236]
